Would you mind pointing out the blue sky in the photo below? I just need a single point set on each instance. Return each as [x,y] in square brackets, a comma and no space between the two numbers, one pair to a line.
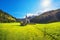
[21,8]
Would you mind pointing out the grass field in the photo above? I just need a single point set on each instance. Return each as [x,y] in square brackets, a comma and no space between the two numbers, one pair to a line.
[13,31]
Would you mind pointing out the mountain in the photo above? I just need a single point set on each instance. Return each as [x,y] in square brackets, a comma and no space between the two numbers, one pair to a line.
[5,17]
[47,17]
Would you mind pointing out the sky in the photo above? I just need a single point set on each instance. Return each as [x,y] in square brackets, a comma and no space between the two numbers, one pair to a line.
[21,8]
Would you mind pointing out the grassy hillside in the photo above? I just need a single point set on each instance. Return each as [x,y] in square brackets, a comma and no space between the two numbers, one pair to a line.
[13,31]
[5,17]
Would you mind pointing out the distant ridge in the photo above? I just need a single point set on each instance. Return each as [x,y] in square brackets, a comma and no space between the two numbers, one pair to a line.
[47,17]
[5,17]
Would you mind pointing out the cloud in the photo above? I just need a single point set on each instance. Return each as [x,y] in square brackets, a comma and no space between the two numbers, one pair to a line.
[31,14]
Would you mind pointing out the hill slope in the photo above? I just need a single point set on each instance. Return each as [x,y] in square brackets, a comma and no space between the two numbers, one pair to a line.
[5,17]
[50,16]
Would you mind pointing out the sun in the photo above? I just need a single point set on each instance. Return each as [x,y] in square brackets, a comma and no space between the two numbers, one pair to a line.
[46,5]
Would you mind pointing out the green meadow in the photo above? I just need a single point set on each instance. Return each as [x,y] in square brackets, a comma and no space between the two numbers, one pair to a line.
[13,31]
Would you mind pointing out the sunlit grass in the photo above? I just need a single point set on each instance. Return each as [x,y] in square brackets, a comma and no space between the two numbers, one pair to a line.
[13,31]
